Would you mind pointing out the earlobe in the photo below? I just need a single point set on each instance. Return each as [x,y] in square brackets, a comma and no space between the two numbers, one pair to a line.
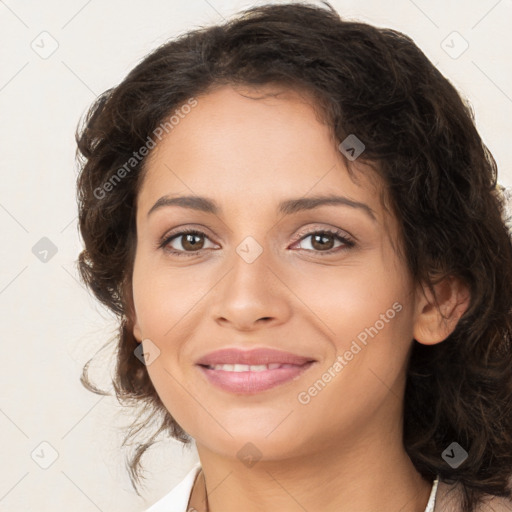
[434,324]
[132,323]
[136,331]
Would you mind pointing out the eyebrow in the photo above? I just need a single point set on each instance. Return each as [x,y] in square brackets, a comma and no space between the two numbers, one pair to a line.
[287,207]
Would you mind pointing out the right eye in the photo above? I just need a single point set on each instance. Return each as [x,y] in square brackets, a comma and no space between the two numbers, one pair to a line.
[190,241]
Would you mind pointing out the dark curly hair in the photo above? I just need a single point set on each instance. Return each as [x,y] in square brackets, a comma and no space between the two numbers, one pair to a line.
[440,183]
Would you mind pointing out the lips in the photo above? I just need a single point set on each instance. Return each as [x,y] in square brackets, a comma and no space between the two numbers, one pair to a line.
[252,371]
[260,356]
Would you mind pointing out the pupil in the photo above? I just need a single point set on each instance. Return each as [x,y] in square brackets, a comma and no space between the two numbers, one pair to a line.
[189,239]
[322,241]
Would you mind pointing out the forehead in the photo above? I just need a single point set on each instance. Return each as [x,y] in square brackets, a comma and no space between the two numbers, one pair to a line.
[264,143]
[228,122]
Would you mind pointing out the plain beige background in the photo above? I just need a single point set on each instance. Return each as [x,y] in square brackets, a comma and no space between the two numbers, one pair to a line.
[55,58]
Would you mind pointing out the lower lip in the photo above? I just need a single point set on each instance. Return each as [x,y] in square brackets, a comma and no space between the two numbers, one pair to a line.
[253,382]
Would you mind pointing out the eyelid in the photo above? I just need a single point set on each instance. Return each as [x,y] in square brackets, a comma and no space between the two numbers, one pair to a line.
[184,228]
[322,229]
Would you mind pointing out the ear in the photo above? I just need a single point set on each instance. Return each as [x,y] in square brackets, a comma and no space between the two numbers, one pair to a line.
[137,331]
[432,324]
[132,323]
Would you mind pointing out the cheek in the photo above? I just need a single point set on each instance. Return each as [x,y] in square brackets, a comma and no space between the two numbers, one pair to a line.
[366,315]
[163,297]
[347,300]
[162,302]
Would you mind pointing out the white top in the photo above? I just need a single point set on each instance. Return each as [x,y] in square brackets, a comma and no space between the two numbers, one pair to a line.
[177,499]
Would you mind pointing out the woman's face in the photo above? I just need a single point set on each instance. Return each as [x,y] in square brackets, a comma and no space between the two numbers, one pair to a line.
[263,273]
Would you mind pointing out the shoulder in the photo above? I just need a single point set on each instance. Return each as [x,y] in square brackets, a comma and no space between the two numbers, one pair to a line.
[449,499]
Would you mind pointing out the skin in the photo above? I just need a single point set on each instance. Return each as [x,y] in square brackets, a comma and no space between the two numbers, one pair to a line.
[343,450]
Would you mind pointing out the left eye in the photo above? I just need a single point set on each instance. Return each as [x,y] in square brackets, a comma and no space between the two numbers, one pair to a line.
[322,241]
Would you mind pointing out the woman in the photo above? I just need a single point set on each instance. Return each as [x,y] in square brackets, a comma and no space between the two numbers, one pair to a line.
[300,229]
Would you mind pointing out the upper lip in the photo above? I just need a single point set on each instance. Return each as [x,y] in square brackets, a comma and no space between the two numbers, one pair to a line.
[251,357]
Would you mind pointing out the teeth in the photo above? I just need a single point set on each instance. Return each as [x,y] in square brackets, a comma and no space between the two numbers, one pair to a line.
[246,367]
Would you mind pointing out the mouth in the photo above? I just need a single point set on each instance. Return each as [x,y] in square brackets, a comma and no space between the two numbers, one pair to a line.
[248,367]
[250,379]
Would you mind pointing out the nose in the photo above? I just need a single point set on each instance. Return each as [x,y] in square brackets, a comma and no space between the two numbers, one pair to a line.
[251,295]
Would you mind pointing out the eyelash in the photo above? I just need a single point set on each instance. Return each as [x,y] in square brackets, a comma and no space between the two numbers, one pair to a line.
[349,243]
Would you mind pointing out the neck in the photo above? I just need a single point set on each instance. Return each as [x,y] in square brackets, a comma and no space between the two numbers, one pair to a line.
[365,476]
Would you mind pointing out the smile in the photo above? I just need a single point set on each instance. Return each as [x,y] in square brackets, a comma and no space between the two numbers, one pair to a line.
[249,379]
